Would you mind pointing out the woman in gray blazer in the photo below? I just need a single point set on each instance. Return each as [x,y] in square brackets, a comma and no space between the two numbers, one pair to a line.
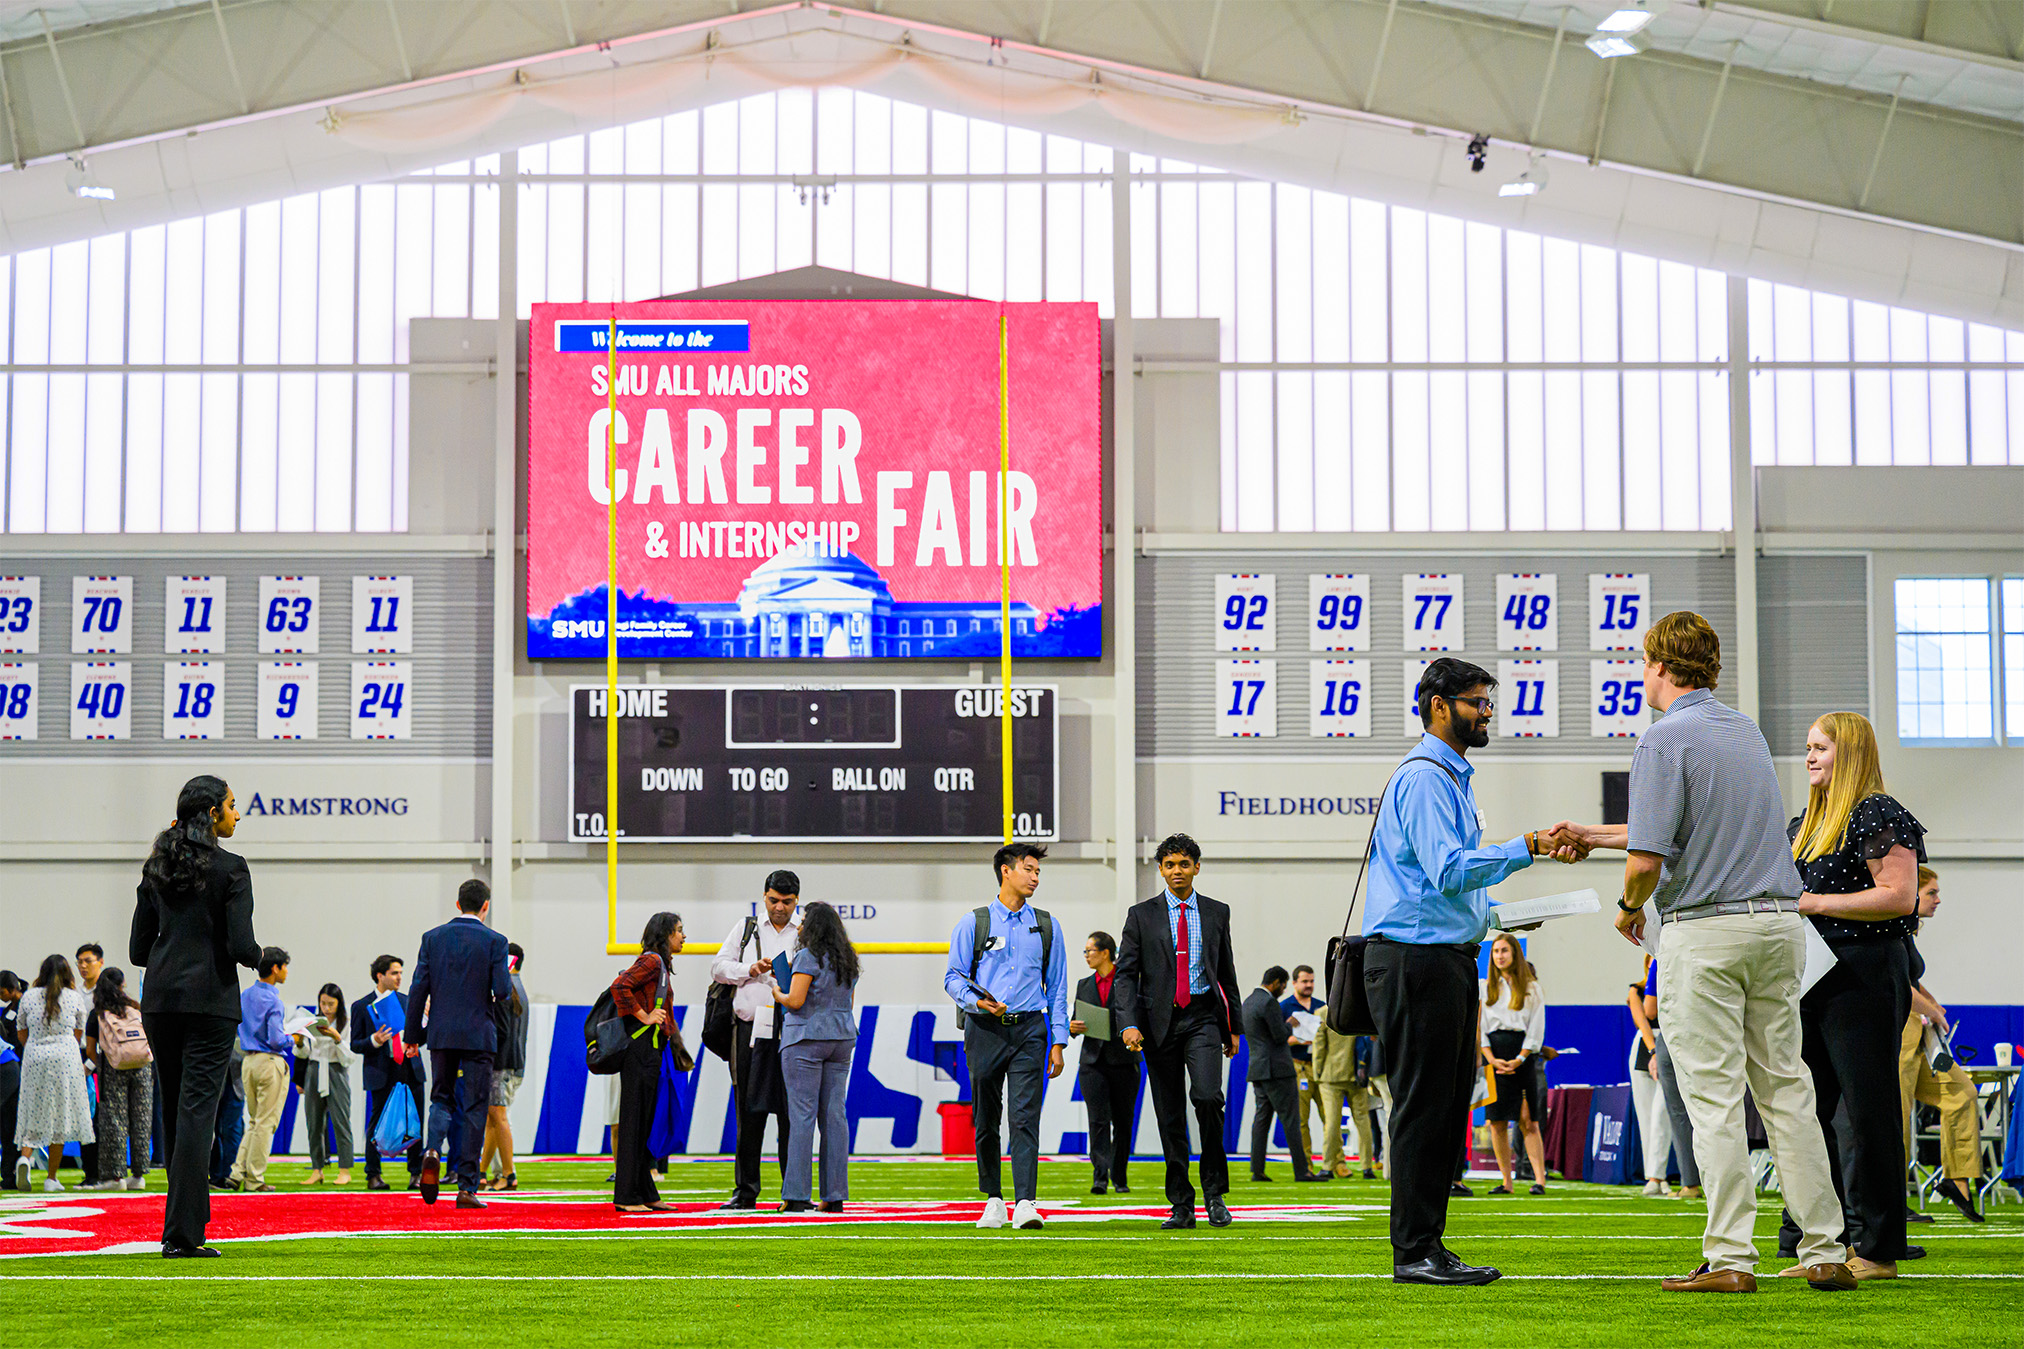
[817,1036]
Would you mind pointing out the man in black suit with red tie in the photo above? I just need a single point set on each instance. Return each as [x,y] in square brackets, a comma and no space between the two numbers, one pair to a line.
[1177,999]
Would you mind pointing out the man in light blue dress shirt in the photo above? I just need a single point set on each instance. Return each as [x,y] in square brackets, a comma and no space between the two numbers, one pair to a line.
[1015,1005]
[1429,910]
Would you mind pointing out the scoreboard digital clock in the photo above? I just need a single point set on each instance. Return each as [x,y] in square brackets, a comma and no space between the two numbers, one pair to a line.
[875,763]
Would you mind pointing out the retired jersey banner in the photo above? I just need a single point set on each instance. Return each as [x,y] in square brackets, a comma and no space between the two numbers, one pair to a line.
[806,478]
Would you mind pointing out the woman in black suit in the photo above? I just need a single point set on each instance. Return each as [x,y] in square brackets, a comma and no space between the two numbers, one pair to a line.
[193,922]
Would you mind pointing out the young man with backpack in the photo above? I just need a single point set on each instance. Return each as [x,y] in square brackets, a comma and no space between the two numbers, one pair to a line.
[743,985]
[1008,975]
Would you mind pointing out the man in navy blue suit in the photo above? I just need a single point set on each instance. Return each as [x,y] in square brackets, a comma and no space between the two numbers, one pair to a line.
[459,975]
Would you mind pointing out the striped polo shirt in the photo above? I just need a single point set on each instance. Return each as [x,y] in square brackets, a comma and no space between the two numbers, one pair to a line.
[1704,797]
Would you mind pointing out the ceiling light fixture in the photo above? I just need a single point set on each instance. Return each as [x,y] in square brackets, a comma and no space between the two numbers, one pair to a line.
[1626,21]
[1529,183]
[84,183]
[1607,45]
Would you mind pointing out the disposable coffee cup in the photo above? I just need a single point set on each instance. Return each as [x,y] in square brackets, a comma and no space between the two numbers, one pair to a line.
[2003,1053]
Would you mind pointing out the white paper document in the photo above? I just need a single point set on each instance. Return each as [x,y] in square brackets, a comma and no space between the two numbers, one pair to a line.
[1304,1026]
[1820,959]
[1520,912]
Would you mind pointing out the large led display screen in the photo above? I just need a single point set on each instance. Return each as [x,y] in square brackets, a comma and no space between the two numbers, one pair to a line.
[813,478]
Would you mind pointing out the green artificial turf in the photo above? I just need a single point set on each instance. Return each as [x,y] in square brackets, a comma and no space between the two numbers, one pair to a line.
[1581,1265]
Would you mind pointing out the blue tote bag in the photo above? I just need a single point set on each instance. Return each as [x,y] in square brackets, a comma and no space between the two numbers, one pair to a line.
[667,1135]
[400,1126]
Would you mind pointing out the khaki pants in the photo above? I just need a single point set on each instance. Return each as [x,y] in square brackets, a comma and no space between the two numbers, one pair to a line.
[1310,1100]
[1729,1000]
[1960,1116]
[265,1078]
[1333,1094]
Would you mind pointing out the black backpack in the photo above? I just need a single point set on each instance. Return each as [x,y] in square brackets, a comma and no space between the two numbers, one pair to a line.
[604,1036]
[720,1019]
[980,937]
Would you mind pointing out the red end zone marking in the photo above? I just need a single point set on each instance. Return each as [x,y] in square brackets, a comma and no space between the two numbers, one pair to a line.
[99,1225]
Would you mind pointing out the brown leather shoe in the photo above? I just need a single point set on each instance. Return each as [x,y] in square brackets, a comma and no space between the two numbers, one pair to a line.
[1830,1278]
[1865,1270]
[1705,1280]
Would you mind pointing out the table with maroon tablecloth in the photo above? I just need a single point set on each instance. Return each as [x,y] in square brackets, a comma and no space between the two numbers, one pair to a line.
[1566,1129]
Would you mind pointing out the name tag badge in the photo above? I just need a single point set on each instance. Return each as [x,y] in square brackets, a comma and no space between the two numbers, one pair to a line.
[994,942]
[1482,821]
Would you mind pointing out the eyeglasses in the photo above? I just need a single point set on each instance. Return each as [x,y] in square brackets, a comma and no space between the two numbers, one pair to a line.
[1484,706]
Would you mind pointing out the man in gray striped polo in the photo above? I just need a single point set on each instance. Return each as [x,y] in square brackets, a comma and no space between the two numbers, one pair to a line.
[1707,843]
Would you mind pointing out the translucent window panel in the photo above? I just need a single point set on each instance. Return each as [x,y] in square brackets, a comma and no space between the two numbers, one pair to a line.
[758,225]
[1760,320]
[1447,313]
[604,243]
[1713,294]
[1098,248]
[1486,450]
[1255,467]
[1294,439]
[28,464]
[143,453]
[1448,486]
[1369,259]
[1216,259]
[259,444]
[1601,472]
[414,230]
[948,237]
[1293,274]
[719,226]
[834,134]
[1334,505]
[295,460]
[795,245]
[2013,656]
[1025,240]
[1064,205]
[105,324]
[1717,511]
[1679,313]
[261,337]
[1642,482]
[532,287]
[910,234]
[1145,249]
[182,430]
[218,453]
[1525,439]
[1178,249]
[1945,683]
[987,235]
[1370,450]
[1524,300]
[1254,328]
[1598,304]
[64,506]
[1947,341]
[1560,269]
[452,260]
[1564,417]
[373,510]
[1679,450]
[681,238]
[104,437]
[1331,290]
[1639,317]
[1484,246]
[333,452]
[565,271]
[336,238]
[1412,505]
[1408,285]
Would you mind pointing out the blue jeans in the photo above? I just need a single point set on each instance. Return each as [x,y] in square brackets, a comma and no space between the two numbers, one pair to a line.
[818,1079]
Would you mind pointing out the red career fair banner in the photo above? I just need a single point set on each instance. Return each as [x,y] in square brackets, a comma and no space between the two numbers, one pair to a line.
[813,478]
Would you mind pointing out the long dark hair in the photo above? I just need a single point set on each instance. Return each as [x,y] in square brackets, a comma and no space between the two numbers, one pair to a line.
[822,936]
[53,978]
[110,994]
[182,855]
[660,930]
[332,990]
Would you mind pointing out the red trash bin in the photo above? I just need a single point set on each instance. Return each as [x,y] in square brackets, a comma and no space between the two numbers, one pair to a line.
[959,1129]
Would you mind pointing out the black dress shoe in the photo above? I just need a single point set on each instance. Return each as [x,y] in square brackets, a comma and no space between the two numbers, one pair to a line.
[1219,1215]
[415,1181]
[797,1206]
[1961,1199]
[1316,1175]
[1369,1174]
[736,1204]
[431,1177]
[1500,1189]
[1260,1178]
[1099,1188]
[188,1252]
[1121,1188]
[1913,1215]
[1913,1253]
[466,1199]
[832,1206]
[1460,1191]
[377,1184]
[1445,1269]
[1182,1216]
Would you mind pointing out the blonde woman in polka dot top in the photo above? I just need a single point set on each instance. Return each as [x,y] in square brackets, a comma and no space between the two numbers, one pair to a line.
[1859,852]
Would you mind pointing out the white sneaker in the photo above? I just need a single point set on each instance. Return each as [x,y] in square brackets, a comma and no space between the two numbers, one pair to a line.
[101,1185]
[1656,1189]
[994,1213]
[52,1186]
[1026,1216]
[22,1170]
[137,1182]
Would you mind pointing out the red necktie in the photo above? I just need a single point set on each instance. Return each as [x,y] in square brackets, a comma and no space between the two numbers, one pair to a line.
[1181,991]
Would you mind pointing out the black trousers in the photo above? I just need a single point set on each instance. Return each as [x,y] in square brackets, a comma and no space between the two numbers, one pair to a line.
[457,1117]
[762,1091]
[375,1106]
[1277,1096]
[1423,999]
[1187,1069]
[1110,1091]
[639,1091]
[10,1105]
[1000,1055]
[191,1055]
[1850,1025]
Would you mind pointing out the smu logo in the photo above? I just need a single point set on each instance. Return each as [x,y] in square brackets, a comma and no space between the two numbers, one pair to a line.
[1605,1137]
[327,805]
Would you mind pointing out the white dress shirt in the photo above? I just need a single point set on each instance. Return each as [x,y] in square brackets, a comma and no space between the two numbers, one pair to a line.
[1531,1018]
[732,967]
[319,1049]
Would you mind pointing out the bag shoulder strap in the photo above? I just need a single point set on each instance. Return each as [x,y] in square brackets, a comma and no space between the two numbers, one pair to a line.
[751,931]
[1046,923]
[1349,920]
[980,936]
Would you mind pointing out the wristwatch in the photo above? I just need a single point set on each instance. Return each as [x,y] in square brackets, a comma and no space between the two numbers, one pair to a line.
[1625,907]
